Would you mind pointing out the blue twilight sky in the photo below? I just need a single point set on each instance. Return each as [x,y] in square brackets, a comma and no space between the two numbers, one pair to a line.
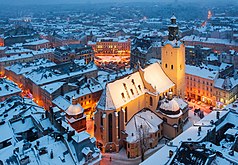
[26,2]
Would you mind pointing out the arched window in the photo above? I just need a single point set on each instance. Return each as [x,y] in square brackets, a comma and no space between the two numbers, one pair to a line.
[151,101]
[166,65]
[180,67]
[110,127]
[172,67]
[119,125]
[126,114]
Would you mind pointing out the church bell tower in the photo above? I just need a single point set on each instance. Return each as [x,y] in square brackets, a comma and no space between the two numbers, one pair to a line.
[173,58]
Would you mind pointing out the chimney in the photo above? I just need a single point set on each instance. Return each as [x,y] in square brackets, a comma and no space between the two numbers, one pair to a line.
[218,115]
[170,153]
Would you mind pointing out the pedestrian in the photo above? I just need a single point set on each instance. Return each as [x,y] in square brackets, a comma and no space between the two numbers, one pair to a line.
[110,159]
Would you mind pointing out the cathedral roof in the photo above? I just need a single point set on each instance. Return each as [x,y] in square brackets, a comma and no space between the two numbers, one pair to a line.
[120,92]
[155,76]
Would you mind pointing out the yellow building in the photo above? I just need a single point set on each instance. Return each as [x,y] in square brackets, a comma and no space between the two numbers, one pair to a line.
[173,59]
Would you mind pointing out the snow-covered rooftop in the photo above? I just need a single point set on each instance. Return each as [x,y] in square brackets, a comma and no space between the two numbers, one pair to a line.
[145,118]
[8,87]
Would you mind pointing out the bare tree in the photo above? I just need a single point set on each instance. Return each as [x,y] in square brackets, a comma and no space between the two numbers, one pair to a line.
[143,134]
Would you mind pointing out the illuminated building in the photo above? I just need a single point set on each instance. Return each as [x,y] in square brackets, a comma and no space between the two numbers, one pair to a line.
[1,42]
[213,87]
[111,49]
[16,71]
[173,58]
[66,72]
[151,88]
[23,58]
[73,52]
[76,117]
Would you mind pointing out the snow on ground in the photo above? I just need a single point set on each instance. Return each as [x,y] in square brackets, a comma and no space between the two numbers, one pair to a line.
[191,119]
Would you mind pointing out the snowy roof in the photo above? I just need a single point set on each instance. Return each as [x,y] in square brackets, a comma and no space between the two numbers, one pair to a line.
[8,87]
[50,88]
[121,91]
[20,126]
[226,84]
[201,72]
[21,68]
[191,135]
[170,105]
[86,151]
[48,75]
[6,132]
[232,131]
[81,136]
[38,42]
[209,40]
[155,76]
[25,55]
[149,121]
[61,102]
[75,110]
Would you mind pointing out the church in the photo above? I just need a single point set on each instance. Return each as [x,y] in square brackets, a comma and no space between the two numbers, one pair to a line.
[148,100]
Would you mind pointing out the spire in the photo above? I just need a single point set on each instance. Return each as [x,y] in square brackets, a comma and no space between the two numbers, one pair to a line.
[173,29]
[173,19]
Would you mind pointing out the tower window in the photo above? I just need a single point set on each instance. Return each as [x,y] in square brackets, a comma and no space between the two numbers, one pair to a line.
[180,67]
[139,87]
[151,101]
[166,65]
[172,66]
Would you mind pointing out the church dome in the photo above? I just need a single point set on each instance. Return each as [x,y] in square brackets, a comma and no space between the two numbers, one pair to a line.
[169,107]
[75,110]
